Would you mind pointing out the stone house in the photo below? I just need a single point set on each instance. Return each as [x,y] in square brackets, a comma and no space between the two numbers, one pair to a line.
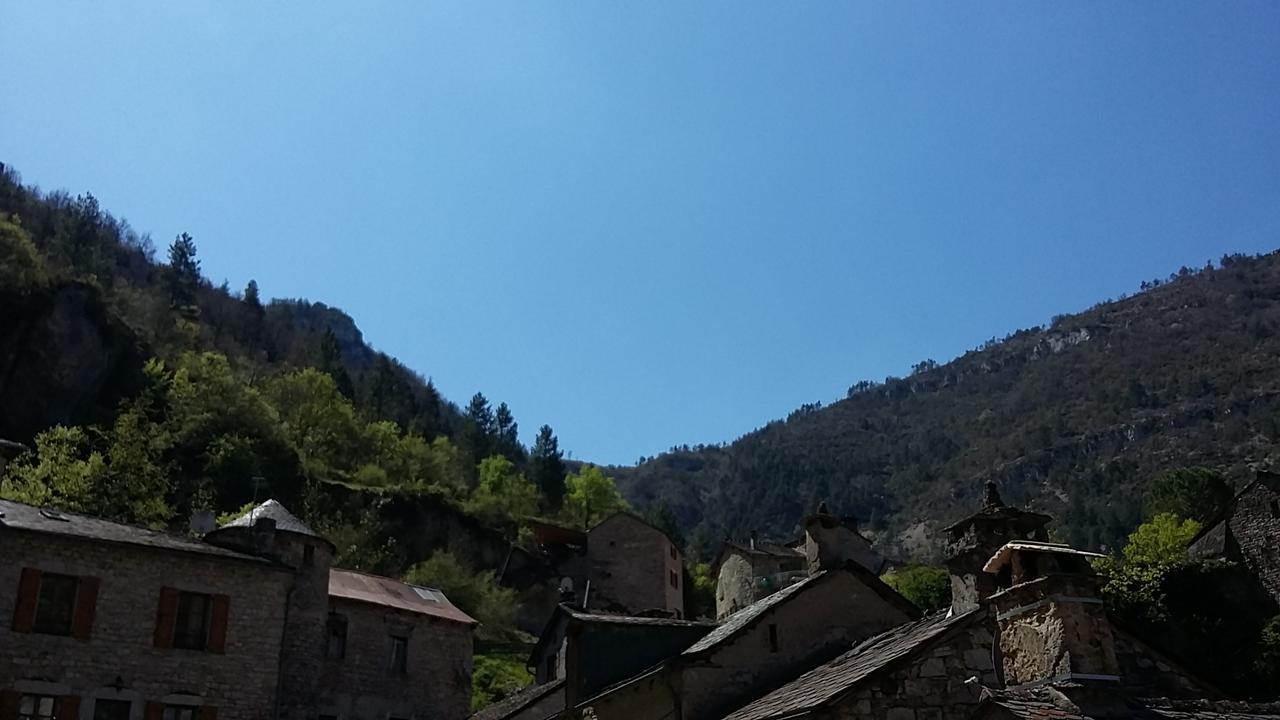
[759,646]
[936,668]
[747,572]
[621,566]
[1248,533]
[1057,649]
[115,622]
[580,653]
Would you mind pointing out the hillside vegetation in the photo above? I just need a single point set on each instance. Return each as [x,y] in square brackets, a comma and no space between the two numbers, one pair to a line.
[1073,419]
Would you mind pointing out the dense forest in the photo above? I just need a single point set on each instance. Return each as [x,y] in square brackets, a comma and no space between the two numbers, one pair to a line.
[1073,419]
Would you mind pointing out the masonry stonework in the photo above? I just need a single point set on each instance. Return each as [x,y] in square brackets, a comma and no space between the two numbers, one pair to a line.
[119,660]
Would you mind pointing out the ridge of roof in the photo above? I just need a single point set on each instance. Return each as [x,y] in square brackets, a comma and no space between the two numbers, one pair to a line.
[509,706]
[273,509]
[833,679]
[393,593]
[744,618]
[30,518]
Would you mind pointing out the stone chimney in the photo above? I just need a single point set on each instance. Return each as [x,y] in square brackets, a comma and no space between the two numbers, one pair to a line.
[831,542]
[1053,626]
[264,536]
[973,540]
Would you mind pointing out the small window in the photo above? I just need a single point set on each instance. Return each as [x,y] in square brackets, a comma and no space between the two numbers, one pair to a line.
[37,707]
[674,554]
[1275,508]
[773,638]
[191,631]
[56,604]
[327,717]
[551,668]
[308,555]
[180,712]
[104,709]
[674,578]
[336,638]
[399,655]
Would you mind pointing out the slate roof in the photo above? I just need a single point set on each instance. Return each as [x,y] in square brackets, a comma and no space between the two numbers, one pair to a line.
[1049,703]
[285,520]
[608,619]
[739,621]
[389,592]
[830,681]
[521,700]
[20,516]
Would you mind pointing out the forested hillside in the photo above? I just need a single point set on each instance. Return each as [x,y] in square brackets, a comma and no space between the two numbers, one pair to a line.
[145,393]
[1073,419]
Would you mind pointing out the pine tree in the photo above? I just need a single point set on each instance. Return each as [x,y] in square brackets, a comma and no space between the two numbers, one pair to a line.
[508,433]
[251,296]
[184,272]
[546,467]
[332,365]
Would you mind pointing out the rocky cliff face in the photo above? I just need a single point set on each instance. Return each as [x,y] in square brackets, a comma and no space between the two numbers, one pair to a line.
[64,359]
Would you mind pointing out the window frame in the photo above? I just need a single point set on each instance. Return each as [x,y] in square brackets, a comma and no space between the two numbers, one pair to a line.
[36,700]
[41,622]
[334,621]
[398,659]
[103,701]
[190,638]
[174,711]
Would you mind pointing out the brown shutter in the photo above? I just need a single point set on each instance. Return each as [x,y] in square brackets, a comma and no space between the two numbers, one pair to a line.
[154,711]
[67,707]
[218,624]
[166,617]
[9,700]
[207,712]
[24,612]
[86,605]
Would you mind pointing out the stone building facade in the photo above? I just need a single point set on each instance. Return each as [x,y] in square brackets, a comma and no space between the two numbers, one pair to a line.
[114,622]
[1248,532]
[748,571]
[623,566]
[759,646]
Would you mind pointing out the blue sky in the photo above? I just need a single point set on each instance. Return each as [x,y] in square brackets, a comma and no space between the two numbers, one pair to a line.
[655,223]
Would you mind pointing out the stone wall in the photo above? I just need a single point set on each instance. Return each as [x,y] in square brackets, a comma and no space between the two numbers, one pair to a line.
[240,683]
[362,686]
[813,626]
[932,686]
[628,565]
[1255,524]
[736,581]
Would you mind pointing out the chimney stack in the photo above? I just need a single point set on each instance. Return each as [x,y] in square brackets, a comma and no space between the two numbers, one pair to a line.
[831,542]
[1053,626]
[973,540]
[264,536]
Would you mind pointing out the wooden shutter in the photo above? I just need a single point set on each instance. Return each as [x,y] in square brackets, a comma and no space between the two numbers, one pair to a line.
[166,617]
[9,700]
[218,624]
[86,606]
[67,707]
[207,712]
[154,711]
[24,612]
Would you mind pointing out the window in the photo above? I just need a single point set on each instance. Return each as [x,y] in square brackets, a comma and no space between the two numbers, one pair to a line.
[1275,508]
[180,712]
[191,631]
[674,578]
[36,707]
[336,640]
[327,717]
[399,655]
[56,604]
[551,668]
[773,638]
[674,556]
[308,555]
[104,709]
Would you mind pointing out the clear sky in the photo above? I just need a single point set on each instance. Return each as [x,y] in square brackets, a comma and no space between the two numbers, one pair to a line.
[653,223]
